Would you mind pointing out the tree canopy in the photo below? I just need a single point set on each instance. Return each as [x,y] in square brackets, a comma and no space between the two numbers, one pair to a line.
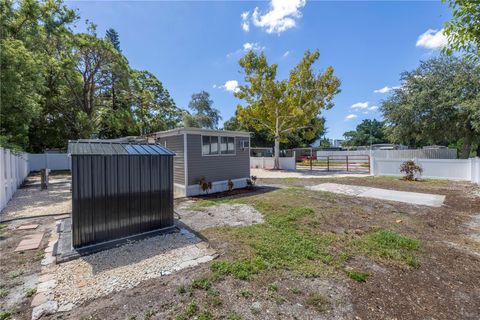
[463,31]
[59,85]
[203,115]
[282,107]
[438,103]
[366,133]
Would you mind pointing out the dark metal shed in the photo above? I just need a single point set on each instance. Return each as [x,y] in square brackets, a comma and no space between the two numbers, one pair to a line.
[119,190]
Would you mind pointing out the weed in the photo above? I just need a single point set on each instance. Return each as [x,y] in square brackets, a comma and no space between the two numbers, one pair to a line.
[205,315]
[190,310]
[357,275]
[202,283]
[273,287]
[242,270]
[5,314]
[296,290]
[16,274]
[3,293]
[149,314]
[30,292]
[181,289]
[234,316]
[246,294]
[317,302]
[390,246]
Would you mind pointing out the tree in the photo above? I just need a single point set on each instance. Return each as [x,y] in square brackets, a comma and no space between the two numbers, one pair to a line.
[366,133]
[112,36]
[152,105]
[463,31]
[282,107]
[204,116]
[438,103]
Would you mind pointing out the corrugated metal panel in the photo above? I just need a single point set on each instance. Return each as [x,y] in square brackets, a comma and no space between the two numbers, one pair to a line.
[116,196]
[107,147]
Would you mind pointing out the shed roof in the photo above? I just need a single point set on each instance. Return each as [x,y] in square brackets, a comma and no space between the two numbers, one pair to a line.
[100,147]
[200,131]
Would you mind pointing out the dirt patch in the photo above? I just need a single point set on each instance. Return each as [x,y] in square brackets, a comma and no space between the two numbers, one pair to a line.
[225,214]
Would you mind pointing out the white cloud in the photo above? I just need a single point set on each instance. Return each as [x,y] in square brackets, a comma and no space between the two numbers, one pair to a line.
[373,108]
[286,53]
[386,89]
[245,23]
[432,39]
[230,85]
[247,46]
[350,117]
[360,105]
[282,15]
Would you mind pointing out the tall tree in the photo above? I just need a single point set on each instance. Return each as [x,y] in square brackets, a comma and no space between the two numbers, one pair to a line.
[204,114]
[152,105]
[284,106]
[366,133]
[112,36]
[438,103]
[463,31]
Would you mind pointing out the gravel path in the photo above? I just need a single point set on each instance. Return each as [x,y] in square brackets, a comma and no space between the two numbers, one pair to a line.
[125,267]
[29,201]
[225,214]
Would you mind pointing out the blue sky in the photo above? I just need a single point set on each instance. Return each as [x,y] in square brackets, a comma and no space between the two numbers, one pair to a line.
[192,46]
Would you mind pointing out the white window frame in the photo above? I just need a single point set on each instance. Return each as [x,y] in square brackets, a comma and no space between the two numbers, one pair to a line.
[219,154]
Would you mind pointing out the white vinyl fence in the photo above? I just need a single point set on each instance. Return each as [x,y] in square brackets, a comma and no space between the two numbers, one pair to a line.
[452,169]
[52,161]
[396,154]
[13,170]
[286,163]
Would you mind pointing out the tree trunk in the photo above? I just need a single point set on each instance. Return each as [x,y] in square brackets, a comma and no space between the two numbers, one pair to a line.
[478,150]
[276,165]
[467,144]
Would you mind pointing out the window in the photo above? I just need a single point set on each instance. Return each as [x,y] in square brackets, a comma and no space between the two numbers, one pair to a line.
[213,145]
[227,145]
[209,145]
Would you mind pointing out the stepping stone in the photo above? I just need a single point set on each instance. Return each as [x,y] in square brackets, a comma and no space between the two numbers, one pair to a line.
[28,227]
[38,299]
[30,242]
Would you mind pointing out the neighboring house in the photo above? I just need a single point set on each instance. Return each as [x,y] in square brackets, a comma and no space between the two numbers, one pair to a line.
[216,155]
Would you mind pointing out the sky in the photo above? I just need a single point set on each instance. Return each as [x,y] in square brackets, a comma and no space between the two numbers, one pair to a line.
[195,45]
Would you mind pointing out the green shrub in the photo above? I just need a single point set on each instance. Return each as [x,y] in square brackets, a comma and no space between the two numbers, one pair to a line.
[357,275]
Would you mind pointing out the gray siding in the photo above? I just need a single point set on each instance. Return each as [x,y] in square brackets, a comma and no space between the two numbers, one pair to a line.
[175,143]
[215,168]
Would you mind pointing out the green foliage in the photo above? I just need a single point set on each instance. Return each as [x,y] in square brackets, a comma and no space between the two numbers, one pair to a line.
[30,292]
[411,170]
[204,115]
[282,107]
[318,302]
[205,315]
[368,132]
[243,270]
[463,31]
[6,314]
[439,103]
[357,275]
[203,284]
[59,85]
[388,245]
[189,312]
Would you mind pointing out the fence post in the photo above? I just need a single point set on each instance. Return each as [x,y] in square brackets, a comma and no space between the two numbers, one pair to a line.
[347,163]
[3,196]
[295,160]
[328,163]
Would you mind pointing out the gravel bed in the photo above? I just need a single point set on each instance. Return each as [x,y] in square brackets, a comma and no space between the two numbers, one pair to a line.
[224,214]
[30,201]
[125,267]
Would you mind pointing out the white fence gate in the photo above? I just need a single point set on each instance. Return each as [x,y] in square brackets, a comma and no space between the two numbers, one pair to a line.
[396,154]
[286,163]
[452,169]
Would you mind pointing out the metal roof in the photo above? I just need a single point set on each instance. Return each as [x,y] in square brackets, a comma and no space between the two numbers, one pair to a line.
[112,148]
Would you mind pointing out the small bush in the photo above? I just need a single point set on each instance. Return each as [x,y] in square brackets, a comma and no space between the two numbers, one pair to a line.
[411,170]
[205,185]
[202,283]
